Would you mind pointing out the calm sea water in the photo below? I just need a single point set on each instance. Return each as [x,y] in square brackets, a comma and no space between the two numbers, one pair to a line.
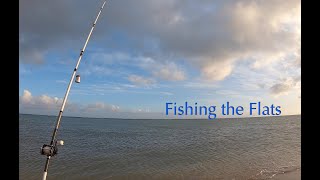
[246,148]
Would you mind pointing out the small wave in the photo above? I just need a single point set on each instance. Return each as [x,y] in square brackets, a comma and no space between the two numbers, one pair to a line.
[270,174]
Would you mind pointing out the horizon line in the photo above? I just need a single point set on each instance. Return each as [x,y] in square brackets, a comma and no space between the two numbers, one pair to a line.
[162,118]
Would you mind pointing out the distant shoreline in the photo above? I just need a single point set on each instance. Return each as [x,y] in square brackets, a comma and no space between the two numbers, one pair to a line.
[163,118]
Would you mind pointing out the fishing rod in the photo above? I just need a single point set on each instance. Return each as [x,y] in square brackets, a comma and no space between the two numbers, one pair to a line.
[51,150]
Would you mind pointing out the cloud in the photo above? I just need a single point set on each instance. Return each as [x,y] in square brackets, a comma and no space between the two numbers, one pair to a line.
[166,70]
[217,71]
[141,110]
[280,88]
[43,101]
[200,85]
[169,71]
[26,97]
[262,61]
[45,104]
[285,86]
[140,81]
[102,63]
[297,54]
[100,106]
[212,36]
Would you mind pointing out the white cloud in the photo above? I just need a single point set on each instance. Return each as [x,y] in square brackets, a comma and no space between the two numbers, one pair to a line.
[212,38]
[200,85]
[202,33]
[42,101]
[217,71]
[115,108]
[297,55]
[100,106]
[169,71]
[100,63]
[264,60]
[96,69]
[166,70]
[139,80]
[26,97]
[102,58]
[45,104]
[38,105]
[141,110]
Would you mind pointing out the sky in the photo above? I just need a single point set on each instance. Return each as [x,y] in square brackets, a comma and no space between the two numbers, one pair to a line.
[146,53]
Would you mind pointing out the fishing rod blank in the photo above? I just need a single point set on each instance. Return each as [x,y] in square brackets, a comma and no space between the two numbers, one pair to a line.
[51,150]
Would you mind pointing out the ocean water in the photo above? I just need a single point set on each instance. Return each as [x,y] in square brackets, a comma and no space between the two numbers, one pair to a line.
[245,148]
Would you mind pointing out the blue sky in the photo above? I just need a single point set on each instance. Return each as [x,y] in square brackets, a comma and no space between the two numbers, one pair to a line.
[144,54]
